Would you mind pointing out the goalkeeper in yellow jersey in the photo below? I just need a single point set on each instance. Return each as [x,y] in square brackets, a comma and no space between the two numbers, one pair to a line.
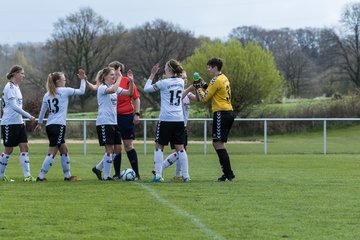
[219,91]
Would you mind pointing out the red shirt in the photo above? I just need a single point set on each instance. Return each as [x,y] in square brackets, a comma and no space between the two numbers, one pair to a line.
[124,103]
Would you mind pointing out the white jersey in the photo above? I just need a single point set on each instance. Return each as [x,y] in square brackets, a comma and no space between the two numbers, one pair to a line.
[107,106]
[12,105]
[58,104]
[171,90]
[186,107]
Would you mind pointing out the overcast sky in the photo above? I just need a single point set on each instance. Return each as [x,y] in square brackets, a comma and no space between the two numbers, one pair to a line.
[32,20]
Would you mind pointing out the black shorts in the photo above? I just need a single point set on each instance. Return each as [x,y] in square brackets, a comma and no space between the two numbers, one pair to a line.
[108,135]
[126,126]
[13,134]
[185,140]
[222,122]
[169,132]
[56,134]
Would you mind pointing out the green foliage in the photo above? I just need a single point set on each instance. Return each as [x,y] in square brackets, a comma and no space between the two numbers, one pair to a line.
[347,107]
[251,70]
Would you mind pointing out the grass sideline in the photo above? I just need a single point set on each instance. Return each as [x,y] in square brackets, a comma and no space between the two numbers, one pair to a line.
[275,196]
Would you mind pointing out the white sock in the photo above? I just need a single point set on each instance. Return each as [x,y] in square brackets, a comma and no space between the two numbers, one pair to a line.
[47,163]
[100,165]
[3,163]
[65,163]
[169,160]
[107,162]
[25,163]
[178,169]
[158,159]
[183,159]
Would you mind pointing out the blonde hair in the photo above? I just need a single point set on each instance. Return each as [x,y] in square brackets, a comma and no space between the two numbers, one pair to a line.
[100,77]
[51,82]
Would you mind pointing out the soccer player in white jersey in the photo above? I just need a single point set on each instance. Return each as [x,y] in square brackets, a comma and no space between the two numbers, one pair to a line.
[187,97]
[109,135]
[56,101]
[170,127]
[12,124]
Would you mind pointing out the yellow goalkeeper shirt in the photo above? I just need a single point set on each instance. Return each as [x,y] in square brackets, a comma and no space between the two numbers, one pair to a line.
[219,91]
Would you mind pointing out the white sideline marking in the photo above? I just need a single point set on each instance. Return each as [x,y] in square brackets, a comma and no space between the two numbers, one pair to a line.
[182,212]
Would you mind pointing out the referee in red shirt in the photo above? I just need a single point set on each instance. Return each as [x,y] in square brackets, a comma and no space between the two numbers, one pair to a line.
[128,115]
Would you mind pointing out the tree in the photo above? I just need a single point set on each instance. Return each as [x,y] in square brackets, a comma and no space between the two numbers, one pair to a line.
[155,42]
[251,70]
[82,39]
[349,43]
[295,53]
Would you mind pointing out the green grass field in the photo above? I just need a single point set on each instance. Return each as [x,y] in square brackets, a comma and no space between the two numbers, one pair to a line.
[274,196]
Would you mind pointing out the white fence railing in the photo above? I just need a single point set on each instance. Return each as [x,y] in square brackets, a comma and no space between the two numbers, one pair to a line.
[207,120]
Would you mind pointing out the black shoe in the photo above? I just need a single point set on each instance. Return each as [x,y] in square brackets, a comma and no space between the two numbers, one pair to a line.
[116,177]
[41,179]
[72,179]
[108,179]
[97,173]
[223,178]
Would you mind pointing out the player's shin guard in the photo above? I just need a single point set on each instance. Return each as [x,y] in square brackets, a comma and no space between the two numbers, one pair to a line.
[158,159]
[107,162]
[47,163]
[225,162]
[117,164]
[65,164]
[169,160]
[183,159]
[3,163]
[178,169]
[133,159]
[25,163]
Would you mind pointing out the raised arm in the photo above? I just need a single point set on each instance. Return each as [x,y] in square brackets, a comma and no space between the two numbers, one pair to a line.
[91,86]
[114,88]
[130,91]
[149,87]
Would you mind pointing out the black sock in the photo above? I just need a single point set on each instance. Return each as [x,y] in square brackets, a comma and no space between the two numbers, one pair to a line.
[133,159]
[225,163]
[117,164]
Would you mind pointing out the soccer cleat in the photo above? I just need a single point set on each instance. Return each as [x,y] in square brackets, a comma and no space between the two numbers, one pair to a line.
[72,179]
[29,179]
[97,173]
[41,179]
[7,179]
[178,179]
[157,179]
[116,177]
[154,173]
[223,178]
[108,179]
[186,180]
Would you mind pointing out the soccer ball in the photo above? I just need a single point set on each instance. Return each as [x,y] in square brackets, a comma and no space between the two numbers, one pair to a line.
[128,174]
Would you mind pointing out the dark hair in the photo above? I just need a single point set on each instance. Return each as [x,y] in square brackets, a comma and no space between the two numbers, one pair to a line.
[14,69]
[215,62]
[175,67]
[116,65]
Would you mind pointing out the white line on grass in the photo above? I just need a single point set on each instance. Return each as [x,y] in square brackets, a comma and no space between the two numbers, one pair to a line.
[176,209]
[182,212]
